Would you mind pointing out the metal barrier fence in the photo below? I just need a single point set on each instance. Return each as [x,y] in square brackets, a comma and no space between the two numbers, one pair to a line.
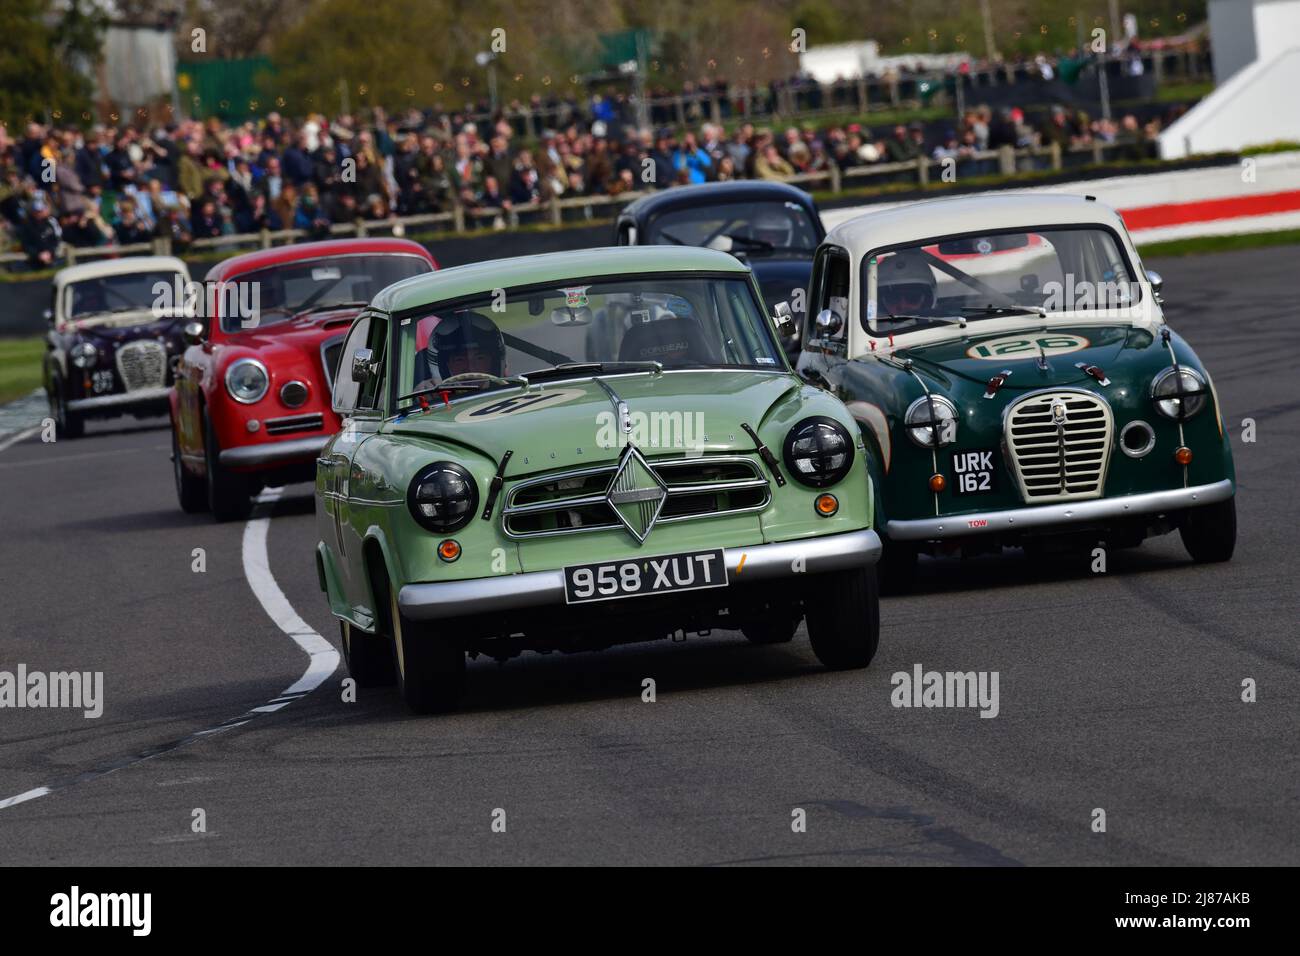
[859,96]
[557,212]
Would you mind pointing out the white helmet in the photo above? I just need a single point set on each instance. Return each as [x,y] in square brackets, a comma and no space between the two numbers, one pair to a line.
[904,283]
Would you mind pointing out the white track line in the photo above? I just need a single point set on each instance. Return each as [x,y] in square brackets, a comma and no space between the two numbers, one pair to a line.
[323,660]
[20,436]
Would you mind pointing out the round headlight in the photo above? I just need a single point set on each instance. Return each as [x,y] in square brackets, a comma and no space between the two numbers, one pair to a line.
[247,381]
[931,421]
[442,497]
[1179,392]
[84,355]
[818,452]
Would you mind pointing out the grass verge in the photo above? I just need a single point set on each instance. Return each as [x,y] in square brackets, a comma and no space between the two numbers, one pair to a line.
[20,366]
[1203,244]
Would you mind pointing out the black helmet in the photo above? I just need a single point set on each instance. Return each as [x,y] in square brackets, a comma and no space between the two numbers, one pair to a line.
[462,331]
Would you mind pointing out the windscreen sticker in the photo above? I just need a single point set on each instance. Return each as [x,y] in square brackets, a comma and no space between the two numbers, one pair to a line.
[576,297]
[1028,346]
[518,404]
[765,360]
[326,274]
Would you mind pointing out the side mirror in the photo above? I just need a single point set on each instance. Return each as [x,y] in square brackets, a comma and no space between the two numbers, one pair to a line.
[49,315]
[1157,283]
[193,333]
[364,366]
[784,319]
[828,323]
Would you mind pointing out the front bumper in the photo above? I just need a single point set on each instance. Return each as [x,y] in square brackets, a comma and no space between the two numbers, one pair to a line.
[1058,515]
[273,453]
[121,401]
[442,599]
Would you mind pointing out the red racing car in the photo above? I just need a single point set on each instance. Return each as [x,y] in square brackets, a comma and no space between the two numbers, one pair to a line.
[251,404]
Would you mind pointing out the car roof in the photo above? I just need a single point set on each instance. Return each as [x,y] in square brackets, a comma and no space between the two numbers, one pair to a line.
[747,190]
[483,277]
[117,267]
[298,252]
[913,221]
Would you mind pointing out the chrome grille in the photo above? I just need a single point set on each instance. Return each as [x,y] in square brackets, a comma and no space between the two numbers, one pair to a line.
[574,501]
[142,365]
[1058,443]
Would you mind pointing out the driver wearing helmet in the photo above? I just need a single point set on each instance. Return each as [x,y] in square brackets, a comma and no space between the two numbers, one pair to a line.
[772,229]
[904,285]
[462,342]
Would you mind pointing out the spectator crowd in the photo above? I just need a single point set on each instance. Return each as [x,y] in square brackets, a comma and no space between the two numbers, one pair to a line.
[202,179]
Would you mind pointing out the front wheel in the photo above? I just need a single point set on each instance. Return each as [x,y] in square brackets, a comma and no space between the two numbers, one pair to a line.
[844,618]
[1210,532]
[369,657]
[228,496]
[430,668]
[189,490]
[66,424]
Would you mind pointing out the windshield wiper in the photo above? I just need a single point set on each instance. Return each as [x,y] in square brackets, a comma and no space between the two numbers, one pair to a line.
[319,307]
[950,319]
[1006,310]
[593,368]
[665,234]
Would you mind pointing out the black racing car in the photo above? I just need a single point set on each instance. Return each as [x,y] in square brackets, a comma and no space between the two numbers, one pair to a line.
[115,327]
[772,226]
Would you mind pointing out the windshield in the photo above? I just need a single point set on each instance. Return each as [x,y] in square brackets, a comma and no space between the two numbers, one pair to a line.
[121,293]
[978,276]
[678,321]
[285,290]
[754,228]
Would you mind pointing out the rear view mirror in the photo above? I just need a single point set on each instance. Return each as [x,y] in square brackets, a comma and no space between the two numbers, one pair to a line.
[828,323]
[783,318]
[566,316]
[364,366]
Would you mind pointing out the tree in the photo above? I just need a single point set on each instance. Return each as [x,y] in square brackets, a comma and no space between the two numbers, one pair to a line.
[42,41]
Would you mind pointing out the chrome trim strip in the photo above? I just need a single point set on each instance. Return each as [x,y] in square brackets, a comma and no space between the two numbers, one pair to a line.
[289,424]
[139,397]
[442,599]
[272,453]
[1063,513]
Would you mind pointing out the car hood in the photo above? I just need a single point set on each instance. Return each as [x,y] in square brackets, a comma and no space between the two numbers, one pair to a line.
[108,324]
[304,333]
[573,423]
[977,358]
[129,326]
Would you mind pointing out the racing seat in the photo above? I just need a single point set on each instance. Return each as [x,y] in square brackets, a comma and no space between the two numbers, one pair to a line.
[672,341]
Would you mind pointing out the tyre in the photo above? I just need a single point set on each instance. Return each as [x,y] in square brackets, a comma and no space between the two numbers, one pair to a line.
[1210,532]
[778,628]
[227,491]
[369,657]
[190,492]
[844,618]
[896,569]
[66,424]
[430,668]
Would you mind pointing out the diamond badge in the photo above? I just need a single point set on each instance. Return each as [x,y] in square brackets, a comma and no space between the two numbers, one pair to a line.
[636,494]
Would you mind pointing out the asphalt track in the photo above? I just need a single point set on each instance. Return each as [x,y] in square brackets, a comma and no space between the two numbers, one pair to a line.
[1118,691]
